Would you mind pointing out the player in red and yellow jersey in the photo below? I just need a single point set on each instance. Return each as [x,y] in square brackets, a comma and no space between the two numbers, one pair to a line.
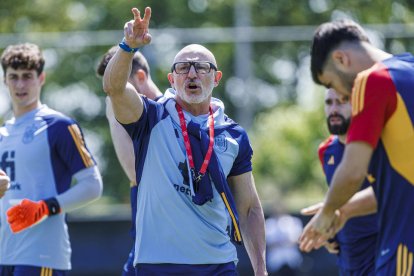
[381,128]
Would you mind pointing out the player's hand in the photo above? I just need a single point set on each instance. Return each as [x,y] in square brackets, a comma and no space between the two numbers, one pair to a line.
[4,183]
[136,31]
[332,247]
[319,229]
[311,210]
[340,220]
[27,214]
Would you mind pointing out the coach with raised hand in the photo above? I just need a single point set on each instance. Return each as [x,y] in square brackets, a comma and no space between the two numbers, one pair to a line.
[196,189]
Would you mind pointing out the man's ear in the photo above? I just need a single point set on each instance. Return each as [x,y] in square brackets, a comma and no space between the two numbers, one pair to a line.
[217,77]
[141,75]
[42,78]
[171,79]
[341,59]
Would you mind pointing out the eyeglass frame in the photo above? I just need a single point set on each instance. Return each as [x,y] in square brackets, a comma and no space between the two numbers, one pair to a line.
[192,64]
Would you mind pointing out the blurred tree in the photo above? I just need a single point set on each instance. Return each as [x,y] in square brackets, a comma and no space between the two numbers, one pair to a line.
[285,142]
[285,136]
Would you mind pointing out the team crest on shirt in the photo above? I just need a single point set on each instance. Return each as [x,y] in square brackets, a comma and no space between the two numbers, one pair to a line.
[29,134]
[220,143]
[31,131]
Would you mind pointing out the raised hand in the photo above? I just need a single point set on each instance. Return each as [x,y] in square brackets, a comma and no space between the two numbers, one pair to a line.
[136,31]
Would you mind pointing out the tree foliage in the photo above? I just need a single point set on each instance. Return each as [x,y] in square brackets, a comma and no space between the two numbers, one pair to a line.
[284,135]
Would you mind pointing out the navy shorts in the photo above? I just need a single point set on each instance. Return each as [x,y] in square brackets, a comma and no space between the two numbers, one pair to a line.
[25,270]
[227,269]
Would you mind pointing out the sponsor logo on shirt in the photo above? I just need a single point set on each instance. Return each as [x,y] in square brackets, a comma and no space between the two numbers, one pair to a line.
[7,164]
[185,186]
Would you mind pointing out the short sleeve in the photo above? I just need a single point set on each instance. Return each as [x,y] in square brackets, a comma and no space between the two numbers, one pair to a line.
[373,102]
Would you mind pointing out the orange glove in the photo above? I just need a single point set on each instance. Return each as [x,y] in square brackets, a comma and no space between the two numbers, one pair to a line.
[29,213]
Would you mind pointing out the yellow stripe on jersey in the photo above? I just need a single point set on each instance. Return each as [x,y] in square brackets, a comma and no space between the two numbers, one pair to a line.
[398,140]
[410,263]
[404,261]
[45,271]
[233,218]
[358,94]
[398,268]
[80,144]
[354,96]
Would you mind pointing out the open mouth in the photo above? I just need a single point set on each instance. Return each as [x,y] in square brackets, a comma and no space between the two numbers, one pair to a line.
[192,86]
[21,94]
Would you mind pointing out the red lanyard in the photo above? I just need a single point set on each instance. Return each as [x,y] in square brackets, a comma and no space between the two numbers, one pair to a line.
[197,176]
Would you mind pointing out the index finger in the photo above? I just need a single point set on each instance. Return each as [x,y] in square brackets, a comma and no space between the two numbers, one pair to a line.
[136,13]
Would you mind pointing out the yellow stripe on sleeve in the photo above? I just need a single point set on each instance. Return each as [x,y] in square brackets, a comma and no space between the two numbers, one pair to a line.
[80,144]
[358,94]
[354,99]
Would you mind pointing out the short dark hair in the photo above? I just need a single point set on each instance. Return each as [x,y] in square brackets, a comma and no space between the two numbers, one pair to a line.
[23,56]
[138,62]
[327,37]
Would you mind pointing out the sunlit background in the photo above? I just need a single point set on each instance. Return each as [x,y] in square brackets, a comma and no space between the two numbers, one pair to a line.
[262,47]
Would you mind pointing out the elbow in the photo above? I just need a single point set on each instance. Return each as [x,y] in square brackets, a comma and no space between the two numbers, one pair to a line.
[108,88]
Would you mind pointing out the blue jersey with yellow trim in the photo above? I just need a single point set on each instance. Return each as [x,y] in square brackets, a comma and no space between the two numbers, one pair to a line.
[170,228]
[40,151]
[357,240]
[383,116]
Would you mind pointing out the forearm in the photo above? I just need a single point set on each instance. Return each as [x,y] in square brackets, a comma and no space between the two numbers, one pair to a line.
[361,204]
[349,176]
[344,185]
[87,189]
[252,227]
[117,73]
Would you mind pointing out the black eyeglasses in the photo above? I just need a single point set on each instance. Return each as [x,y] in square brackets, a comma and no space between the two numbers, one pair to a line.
[201,67]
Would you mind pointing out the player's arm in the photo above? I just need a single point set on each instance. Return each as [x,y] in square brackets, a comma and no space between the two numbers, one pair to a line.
[127,104]
[29,213]
[361,204]
[122,143]
[347,181]
[251,218]
[349,176]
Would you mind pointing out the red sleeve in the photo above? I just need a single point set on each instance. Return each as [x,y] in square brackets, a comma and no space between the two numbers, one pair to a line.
[374,100]
[322,148]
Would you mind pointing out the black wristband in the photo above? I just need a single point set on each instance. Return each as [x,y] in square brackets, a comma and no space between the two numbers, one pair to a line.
[53,206]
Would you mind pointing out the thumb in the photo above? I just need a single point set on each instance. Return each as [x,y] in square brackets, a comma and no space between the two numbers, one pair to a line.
[311,210]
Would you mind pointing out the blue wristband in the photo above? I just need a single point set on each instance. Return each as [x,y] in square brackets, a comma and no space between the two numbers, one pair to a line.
[126,48]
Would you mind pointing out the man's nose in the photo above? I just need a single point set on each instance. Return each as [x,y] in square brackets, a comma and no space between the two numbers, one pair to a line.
[19,83]
[192,72]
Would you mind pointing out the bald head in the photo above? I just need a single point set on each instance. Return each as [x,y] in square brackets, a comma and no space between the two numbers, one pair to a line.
[195,52]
